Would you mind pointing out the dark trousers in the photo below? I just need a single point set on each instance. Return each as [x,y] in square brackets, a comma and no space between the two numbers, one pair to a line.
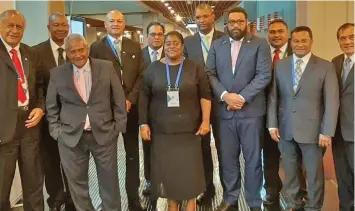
[55,179]
[131,145]
[207,155]
[313,161]
[146,151]
[2,172]
[343,155]
[25,149]
[75,161]
[242,134]
[271,158]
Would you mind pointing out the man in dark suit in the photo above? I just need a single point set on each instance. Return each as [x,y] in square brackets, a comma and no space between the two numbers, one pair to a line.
[21,108]
[86,112]
[343,144]
[127,59]
[52,54]
[152,52]
[239,68]
[302,115]
[280,48]
[196,48]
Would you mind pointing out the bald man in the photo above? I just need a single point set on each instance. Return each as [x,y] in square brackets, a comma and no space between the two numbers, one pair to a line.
[52,54]
[21,108]
[127,58]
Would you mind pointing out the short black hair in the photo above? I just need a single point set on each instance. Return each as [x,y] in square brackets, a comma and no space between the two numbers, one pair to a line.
[240,10]
[155,24]
[278,21]
[303,29]
[343,27]
[175,33]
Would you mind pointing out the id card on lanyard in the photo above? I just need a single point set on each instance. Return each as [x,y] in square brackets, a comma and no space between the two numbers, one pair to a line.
[204,46]
[173,98]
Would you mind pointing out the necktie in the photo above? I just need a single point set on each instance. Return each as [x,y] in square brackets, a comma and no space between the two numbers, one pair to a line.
[155,56]
[60,56]
[276,57]
[235,52]
[21,94]
[206,40]
[298,73]
[118,49]
[346,69]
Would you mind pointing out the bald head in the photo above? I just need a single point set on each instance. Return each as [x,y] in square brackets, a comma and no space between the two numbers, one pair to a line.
[114,23]
[204,6]
[13,26]
[204,18]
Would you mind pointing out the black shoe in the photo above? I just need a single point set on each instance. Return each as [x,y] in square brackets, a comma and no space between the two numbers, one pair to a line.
[147,190]
[69,207]
[206,198]
[271,199]
[134,205]
[255,209]
[224,206]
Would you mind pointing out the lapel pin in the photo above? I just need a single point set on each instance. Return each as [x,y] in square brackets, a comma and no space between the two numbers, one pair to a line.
[248,41]
[224,42]
[123,52]
[26,59]
[133,56]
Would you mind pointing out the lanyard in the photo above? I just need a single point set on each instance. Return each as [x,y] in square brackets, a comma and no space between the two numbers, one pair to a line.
[111,46]
[167,68]
[204,45]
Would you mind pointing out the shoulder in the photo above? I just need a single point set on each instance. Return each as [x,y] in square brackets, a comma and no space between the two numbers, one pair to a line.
[57,72]
[259,40]
[42,45]
[320,61]
[30,52]
[219,34]
[189,38]
[98,43]
[130,42]
[101,63]
[338,58]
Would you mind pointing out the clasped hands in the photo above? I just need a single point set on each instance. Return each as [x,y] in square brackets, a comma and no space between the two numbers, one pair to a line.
[234,101]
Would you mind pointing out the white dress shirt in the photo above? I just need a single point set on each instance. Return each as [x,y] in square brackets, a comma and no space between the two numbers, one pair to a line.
[160,51]
[352,58]
[55,51]
[25,84]
[282,54]
[209,38]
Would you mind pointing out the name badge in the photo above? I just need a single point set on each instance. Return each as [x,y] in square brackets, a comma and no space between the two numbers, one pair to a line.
[173,98]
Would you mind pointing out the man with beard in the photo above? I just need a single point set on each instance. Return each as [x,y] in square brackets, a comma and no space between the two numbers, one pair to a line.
[196,48]
[52,54]
[239,68]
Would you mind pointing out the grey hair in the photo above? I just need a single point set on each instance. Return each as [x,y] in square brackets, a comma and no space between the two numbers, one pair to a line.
[108,15]
[54,16]
[7,13]
[72,37]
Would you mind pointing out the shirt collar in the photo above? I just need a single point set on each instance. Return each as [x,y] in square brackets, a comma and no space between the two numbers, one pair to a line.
[9,48]
[209,35]
[86,67]
[114,39]
[282,49]
[231,40]
[352,57]
[54,45]
[160,50]
[305,59]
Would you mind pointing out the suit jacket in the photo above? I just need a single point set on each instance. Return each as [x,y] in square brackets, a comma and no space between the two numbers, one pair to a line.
[312,109]
[66,111]
[252,74]
[146,56]
[132,67]
[192,46]
[346,109]
[8,88]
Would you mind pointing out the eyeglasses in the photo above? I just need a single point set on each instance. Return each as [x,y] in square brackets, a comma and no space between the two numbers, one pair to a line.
[156,34]
[233,22]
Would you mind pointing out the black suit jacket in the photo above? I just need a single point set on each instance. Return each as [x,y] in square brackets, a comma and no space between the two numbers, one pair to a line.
[146,56]
[193,49]
[132,67]
[8,88]
[346,108]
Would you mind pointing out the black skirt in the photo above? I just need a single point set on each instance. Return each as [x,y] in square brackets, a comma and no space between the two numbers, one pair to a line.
[177,166]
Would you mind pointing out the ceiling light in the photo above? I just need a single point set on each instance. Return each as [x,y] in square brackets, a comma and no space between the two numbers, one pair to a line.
[166,4]
[172,11]
[213,6]
[169,8]
[191,26]
[87,25]
[139,32]
[162,0]
[178,18]
[98,33]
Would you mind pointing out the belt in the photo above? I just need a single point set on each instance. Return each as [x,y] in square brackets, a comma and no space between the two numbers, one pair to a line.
[23,108]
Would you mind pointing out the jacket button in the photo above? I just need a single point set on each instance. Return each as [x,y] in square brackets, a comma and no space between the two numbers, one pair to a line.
[294,97]
[87,106]
[294,111]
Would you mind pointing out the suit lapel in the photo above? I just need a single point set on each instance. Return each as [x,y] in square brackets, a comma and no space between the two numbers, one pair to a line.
[68,75]
[25,61]
[226,50]
[108,47]
[307,72]
[242,51]
[49,53]
[288,75]
[198,47]
[5,56]
[146,55]
[125,47]
[348,78]
[95,73]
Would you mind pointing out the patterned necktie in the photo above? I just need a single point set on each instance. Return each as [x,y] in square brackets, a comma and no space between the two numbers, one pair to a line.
[206,40]
[236,47]
[298,73]
[276,57]
[21,94]
[155,56]
[346,69]
[118,49]
[60,56]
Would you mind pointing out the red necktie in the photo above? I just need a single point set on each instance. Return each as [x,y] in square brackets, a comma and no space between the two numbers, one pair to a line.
[276,57]
[20,76]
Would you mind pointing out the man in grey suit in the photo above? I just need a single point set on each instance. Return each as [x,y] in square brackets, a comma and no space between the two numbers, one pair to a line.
[196,48]
[239,69]
[86,112]
[343,144]
[302,116]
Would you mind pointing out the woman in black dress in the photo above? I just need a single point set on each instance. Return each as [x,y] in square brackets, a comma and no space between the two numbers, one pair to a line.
[174,111]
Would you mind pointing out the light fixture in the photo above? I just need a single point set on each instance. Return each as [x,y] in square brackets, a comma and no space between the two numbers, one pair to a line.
[178,18]
[98,33]
[213,6]
[169,8]
[139,32]
[87,25]
[191,26]
[172,11]
[166,4]
[162,0]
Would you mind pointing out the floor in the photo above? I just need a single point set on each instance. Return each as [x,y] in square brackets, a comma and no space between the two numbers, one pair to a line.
[330,201]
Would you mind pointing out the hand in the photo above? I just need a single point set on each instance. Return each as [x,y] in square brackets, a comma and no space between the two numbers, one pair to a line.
[234,99]
[204,128]
[145,133]
[128,106]
[275,134]
[233,108]
[324,141]
[240,102]
[34,117]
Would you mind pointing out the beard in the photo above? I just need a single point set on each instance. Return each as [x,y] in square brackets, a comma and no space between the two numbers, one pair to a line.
[237,34]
